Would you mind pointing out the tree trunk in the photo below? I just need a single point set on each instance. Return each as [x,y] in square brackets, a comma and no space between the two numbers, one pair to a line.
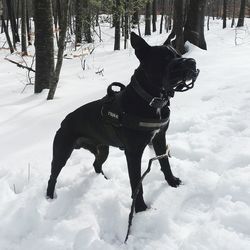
[7,35]
[176,37]
[154,15]
[208,14]
[233,17]
[97,18]
[43,44]
[213,9]
[242,13]
[28,25]
[55,18]
[148,18]
[171,7]
[224,14]
[117,24]
[126,23]
[218,9]
[1,8]
[163,9]
[24,30]
[61,42]
[87,21]
[135,15]
[79,21]
[16,14]
[71,19]
[194,27]
[59,12]
[13,23]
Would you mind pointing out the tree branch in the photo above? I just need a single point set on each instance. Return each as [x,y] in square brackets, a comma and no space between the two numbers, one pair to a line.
[20,65]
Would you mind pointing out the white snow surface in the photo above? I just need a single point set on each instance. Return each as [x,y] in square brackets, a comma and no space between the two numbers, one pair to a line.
[209,137]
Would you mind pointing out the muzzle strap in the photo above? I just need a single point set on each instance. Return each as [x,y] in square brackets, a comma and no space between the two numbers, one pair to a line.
[181,74]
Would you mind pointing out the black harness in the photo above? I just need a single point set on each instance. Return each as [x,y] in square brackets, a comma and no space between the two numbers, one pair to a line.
[113,113]
[153,101]
[182,74]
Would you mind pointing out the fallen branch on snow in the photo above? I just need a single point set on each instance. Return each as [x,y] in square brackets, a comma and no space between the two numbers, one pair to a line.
[20,65]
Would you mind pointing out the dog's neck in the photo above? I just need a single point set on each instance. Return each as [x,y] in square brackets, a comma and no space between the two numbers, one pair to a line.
[133,103]
[145,81]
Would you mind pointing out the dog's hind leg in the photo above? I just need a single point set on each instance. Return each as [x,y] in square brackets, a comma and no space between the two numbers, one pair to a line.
[62,148]
[100,157]
[100,151]
[159,144]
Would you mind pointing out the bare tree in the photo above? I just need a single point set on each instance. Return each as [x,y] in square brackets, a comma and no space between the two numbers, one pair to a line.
[13,22]
[1,7]
[24,29]
[242,13]
[79,21]
[176,38]
[224,16]
[117,24]
[44,44]
[135,15]
[5,28]
[62,36]
[148,18]
[154,15]
[233,15]
[87,21]
[163,9]
[126,23]
[194,26]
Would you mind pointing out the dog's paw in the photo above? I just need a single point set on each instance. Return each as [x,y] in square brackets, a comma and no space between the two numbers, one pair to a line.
[174,181]
[140,205]
[141,208]
[50,198]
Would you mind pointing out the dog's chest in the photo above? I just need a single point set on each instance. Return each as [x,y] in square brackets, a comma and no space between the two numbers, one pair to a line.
[113,114]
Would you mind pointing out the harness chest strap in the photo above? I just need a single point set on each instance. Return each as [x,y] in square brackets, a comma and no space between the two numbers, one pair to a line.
[143,124]
[119,119]
[113,113]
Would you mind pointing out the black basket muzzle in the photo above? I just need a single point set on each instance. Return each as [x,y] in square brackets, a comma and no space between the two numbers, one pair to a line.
[181,75]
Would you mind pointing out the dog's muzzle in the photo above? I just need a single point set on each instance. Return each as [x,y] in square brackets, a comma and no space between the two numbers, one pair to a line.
[181,75]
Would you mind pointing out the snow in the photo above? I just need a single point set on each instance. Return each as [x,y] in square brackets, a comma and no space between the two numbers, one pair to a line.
[209,137]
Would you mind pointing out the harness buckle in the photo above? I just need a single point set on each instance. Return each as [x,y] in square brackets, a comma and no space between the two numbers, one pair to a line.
[158,102]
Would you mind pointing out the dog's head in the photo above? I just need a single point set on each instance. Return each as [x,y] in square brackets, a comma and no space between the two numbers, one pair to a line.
[164,67]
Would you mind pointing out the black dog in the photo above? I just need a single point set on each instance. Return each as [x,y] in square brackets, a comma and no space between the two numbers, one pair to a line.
[129,119]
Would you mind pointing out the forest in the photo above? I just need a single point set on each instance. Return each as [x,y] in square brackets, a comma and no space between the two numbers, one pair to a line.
[57,55]
[53,25]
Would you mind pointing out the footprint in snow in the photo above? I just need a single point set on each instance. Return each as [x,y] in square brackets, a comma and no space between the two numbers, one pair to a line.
[207,98]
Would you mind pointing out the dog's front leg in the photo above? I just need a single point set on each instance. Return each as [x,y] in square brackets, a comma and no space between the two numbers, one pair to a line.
[159,144]
[134,170]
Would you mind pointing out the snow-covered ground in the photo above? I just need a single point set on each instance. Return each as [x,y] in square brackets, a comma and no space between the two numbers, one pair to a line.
[210,140]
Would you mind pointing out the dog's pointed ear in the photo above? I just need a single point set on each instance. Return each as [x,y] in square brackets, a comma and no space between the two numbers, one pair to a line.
[137,42]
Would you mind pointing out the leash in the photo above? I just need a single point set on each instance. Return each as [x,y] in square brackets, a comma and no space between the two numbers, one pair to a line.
[135,193]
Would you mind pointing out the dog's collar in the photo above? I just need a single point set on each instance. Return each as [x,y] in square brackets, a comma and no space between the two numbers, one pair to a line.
[153,101]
